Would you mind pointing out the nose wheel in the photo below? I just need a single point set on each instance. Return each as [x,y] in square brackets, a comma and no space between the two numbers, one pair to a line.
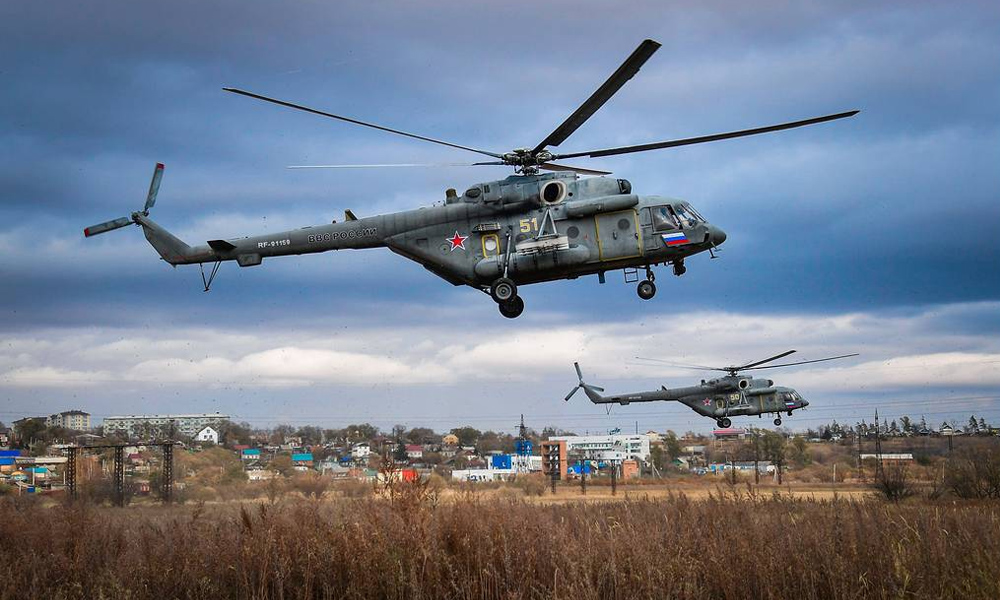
[646,289]
[724,423]
[777,422]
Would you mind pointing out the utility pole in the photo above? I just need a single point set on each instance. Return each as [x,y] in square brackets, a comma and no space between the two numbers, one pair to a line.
[71,471]
[614,478]
[167,483]
[878,450]
[861,470]
[756,458]
[120,475]
[583,477]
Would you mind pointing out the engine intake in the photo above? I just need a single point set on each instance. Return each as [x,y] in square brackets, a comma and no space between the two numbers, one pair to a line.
[553,192]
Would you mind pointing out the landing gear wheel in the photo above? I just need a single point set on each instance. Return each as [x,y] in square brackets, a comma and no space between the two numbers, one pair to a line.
[503,290]
[679,268]
[646,289]
[512,308]
[725,423]
[777,422]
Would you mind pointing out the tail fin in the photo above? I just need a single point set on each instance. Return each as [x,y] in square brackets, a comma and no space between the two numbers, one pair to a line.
[169,247]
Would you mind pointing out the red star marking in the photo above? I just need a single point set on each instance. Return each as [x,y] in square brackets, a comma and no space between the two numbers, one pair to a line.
[707,402]
[458,241]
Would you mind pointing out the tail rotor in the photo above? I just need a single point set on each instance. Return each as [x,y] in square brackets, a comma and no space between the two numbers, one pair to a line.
[154,188]
[581,385]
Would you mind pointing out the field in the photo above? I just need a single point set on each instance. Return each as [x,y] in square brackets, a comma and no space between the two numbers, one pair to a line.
[712,542]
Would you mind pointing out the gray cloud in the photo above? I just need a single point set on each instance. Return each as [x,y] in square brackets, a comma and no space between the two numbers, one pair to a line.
[891,212]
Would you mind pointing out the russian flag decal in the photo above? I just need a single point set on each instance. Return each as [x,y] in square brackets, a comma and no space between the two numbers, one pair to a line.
[674,239]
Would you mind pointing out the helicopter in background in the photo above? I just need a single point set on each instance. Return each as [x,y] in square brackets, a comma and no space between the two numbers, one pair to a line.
[528,228]
[721,398]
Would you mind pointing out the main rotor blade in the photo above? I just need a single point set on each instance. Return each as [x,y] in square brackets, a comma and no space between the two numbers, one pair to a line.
[626,71]
[680,365]
[358,122]
[806,362]
[554,167]
[766,360]
[706,138]
[391,165]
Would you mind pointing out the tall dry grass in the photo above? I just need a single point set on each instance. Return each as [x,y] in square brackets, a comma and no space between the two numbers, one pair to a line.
[728,546]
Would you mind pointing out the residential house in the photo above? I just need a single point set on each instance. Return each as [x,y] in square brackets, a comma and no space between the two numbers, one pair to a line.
[414,451]
[360,451]
[207,434]
[302,461]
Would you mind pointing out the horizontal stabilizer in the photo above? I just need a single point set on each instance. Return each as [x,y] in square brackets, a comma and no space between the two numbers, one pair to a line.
[221,245]
[106,226]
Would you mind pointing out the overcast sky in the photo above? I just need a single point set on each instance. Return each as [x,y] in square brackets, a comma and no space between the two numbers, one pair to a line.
[876,235]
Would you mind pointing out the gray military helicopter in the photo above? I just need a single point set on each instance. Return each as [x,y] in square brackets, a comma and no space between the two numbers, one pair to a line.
[528,228]
[721,398]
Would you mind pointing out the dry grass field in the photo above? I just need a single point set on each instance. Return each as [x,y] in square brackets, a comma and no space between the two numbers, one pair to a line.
[644,543]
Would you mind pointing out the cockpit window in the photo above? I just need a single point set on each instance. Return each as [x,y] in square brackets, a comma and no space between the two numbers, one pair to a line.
[696,213]
[664,218]
[686,215]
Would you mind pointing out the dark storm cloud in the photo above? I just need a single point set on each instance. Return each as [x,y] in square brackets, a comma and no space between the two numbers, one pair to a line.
[894,208]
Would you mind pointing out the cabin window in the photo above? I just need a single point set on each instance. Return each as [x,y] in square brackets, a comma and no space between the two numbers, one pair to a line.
[663,218]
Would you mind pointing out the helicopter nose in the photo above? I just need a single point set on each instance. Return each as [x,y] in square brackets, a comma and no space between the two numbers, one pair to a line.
[716,235]
[805,403]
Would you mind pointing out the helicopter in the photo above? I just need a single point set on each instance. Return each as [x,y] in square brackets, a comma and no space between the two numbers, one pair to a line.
[721,398]
[528,228]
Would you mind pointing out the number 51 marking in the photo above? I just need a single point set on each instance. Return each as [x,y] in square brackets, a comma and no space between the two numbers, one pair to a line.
[529,225]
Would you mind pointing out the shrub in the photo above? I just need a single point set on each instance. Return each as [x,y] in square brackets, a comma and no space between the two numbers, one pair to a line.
[310,485]
[533,484]
[894,482]
[975,474]
[354,488]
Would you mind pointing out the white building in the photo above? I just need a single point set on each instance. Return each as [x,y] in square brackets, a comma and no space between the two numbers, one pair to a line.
[207,435]
[139,425]
[70,419]
[608,447]
[360,451]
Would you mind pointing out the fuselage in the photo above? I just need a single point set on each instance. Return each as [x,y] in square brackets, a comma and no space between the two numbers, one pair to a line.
[554,226]
[719,398]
